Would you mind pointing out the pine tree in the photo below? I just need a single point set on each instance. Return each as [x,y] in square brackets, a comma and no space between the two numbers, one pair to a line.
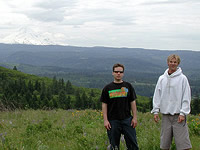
[34,103]
[150,103]
[90,101]
[14,68]
[62,99]
[61,84]
[68,102]
[30,87]
[43,96]
[22,86]
[3,76]
[28,97]
[92,93]
[49,93]
[55,86]
[84,100]
[195,105]
[69,88]
[37,86]
[78,103]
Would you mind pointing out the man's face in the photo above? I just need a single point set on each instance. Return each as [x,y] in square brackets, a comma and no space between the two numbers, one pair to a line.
[172,64]
[118,73]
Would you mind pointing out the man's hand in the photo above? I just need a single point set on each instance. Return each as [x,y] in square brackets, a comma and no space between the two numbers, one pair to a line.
[134,122]
[181,118]
[156,118]
[107,125]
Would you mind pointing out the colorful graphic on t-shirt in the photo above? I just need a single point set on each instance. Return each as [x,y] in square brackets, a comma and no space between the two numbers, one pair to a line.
[118,92]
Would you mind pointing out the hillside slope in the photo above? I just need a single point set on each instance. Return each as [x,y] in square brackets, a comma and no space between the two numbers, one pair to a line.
[92,66]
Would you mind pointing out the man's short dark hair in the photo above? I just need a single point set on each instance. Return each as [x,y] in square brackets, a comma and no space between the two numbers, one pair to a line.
[118,65]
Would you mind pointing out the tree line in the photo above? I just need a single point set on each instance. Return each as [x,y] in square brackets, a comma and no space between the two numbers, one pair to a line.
[26,94]
[20,93]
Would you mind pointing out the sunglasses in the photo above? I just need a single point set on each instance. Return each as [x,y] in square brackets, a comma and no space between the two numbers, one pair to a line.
[118,71]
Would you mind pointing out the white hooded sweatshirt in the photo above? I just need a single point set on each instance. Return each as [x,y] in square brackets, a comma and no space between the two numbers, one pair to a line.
[172,94]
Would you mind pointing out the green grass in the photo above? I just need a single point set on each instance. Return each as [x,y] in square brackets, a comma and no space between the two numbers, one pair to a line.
[75,130]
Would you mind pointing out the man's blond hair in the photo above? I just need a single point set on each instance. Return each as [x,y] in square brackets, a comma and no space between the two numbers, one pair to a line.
[178,59]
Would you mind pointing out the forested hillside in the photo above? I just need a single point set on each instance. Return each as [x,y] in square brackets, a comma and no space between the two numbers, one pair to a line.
[20,90]
[23,91]
[91,67]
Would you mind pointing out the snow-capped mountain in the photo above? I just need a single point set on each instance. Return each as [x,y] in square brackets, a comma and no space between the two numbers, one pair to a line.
[28,36]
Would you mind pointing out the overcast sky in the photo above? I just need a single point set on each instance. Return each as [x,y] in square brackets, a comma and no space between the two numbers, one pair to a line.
[151,24]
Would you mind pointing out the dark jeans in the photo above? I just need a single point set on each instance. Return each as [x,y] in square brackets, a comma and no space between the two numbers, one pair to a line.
[124,127]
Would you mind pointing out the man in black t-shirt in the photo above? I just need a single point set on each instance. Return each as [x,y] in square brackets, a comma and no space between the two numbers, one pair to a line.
[118,100]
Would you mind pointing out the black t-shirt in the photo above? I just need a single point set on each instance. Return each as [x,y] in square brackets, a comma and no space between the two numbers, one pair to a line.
[118,97]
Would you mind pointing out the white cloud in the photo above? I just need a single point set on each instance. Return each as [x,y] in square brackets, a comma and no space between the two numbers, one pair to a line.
[159,24]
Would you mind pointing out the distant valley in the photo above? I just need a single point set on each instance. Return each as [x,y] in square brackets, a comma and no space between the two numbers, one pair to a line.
[92,66]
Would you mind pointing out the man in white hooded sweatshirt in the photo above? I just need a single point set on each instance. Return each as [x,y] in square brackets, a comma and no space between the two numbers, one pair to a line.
[172,98]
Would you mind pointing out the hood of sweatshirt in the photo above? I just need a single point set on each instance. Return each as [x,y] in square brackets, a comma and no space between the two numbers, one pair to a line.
[176,73]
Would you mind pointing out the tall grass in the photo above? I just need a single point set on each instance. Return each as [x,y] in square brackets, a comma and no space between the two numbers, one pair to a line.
[76,130]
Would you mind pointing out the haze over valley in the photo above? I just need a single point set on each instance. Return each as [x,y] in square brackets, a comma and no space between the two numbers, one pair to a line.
[92,66]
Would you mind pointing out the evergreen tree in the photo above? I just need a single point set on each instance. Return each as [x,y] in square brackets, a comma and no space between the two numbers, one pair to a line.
[195,105]
[98,104]
[14,68]
[90,101]
[78,101]
[43,96]
[62,99]
[55,102]
[39,103]
[49,93]
[68,102]
[92,93]
[30,87]
[61,84]
[23,103]
[55,86]
[7,92]
[93,104]
[69,88]
[37,86]
[22,86]
[28,97]
[51,105]
[3,76]
[34,103]
[150,103]
[84,100]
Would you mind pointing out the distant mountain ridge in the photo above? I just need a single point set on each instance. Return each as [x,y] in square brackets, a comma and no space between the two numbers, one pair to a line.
[95,58]
[92,66]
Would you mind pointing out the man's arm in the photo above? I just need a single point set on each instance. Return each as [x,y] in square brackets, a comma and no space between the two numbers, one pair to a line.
[105,117]
[156,102]
[134,112]
[186,99]
[157,98]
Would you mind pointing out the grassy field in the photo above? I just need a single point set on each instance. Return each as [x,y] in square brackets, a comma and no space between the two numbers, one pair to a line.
[76,130]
